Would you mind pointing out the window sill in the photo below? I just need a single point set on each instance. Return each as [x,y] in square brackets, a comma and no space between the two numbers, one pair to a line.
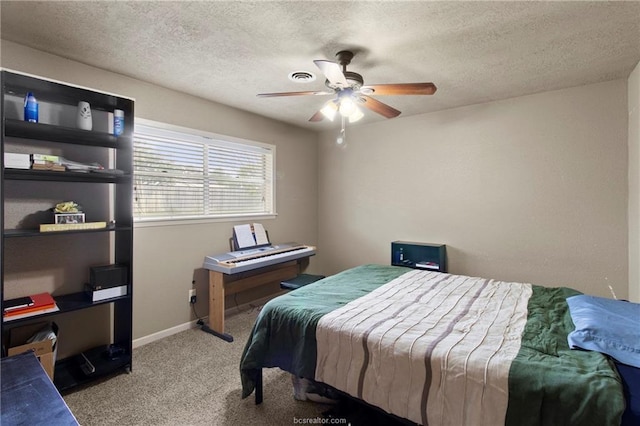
[146,223]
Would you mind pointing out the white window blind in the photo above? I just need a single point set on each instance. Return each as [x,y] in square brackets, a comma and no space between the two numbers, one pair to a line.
[184,175]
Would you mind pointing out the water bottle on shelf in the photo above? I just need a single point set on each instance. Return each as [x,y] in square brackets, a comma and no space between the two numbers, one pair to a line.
[30,108]
[118,122]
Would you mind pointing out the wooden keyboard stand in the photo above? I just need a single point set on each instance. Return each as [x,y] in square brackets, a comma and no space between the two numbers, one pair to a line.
[221,285]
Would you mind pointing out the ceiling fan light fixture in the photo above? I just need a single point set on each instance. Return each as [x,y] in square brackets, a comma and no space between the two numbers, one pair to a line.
[356,115]
[329,110]
[347,106]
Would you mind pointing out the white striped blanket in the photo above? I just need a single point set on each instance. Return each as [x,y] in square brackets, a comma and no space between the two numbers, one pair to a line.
[429,347]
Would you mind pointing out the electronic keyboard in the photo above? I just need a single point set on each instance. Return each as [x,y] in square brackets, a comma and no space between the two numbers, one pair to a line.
[234,262]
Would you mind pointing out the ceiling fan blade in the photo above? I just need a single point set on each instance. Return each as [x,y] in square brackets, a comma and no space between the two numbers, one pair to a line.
[318,116]
[267,95]
[332,71]
[379,107]
[401,89]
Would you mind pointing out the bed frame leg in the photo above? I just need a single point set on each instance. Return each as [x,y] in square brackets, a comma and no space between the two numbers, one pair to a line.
[259,387]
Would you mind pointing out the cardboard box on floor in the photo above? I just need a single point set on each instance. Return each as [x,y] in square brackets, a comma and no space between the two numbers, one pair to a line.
[45,350]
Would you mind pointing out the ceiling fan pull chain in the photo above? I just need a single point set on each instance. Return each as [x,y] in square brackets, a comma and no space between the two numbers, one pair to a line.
[342,136]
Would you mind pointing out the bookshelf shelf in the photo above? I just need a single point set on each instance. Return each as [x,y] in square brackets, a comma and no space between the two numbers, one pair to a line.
[41,131]
[15,233]
[45,175]
[69,374]
[68,303]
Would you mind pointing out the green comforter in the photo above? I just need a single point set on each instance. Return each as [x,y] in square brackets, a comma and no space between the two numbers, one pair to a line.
[548,383]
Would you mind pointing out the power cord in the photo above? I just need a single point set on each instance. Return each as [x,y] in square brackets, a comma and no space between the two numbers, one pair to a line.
[235,300]
[252,307]
[200,321]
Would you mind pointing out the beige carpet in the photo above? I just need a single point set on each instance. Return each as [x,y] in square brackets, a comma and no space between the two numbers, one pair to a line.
[191,378]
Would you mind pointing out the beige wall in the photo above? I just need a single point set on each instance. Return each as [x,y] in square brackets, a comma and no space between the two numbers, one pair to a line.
[529,189]
[634,185]
[526,189]
[167,258]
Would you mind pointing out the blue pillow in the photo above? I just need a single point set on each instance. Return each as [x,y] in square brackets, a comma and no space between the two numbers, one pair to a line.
[606,325]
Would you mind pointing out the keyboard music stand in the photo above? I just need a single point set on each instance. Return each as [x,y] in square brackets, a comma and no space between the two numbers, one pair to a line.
[233,246]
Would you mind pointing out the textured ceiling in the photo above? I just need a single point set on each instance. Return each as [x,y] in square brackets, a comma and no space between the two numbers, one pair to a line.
[230,51]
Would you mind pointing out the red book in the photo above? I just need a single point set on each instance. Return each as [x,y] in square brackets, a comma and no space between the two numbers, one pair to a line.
[41,302]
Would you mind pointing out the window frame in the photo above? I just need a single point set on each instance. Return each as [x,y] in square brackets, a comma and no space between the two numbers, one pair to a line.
[214,139]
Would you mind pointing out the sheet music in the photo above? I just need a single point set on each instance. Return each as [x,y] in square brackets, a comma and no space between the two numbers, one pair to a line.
[260,233]
[244,236]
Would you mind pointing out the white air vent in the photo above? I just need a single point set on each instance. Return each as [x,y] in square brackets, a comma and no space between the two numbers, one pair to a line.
[302,77]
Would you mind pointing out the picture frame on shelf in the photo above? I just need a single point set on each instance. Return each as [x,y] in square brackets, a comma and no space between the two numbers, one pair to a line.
[65,218]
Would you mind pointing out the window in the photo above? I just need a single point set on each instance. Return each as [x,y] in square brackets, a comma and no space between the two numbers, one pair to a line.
[185,174]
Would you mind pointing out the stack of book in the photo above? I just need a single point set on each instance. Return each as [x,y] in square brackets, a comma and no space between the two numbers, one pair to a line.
[24,307]
[47,162]
[74,166]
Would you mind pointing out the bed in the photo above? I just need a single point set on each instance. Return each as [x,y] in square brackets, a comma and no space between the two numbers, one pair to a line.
[437,349]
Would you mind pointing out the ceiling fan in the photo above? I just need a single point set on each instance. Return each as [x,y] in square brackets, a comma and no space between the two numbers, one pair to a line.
[351,92]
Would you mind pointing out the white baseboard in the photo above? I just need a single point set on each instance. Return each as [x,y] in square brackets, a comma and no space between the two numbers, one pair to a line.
[164,333]
[193,324]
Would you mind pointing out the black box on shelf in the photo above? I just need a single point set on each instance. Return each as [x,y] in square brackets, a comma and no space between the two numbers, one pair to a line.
[102,277]
[431,257]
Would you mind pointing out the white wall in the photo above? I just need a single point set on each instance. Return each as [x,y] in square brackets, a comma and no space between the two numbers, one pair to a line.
[168,258]
[634,184]
[530,189]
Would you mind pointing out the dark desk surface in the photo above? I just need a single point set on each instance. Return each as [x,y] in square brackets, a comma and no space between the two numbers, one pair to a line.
[28,395]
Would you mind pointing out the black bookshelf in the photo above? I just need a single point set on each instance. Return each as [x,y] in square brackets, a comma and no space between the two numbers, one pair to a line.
[70,372]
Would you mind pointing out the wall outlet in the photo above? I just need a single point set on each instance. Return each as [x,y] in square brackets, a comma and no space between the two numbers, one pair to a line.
[192,295]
